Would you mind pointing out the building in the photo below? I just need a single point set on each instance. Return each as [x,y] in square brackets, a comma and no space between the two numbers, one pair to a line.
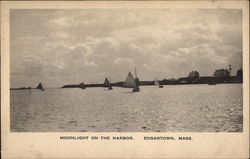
[222,73]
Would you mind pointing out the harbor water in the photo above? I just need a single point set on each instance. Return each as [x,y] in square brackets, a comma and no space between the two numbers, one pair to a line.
[174,108]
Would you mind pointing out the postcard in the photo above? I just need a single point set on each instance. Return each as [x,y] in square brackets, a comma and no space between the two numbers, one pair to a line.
[125,79]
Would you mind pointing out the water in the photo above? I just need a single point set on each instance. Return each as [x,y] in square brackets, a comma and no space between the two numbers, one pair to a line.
[179,108]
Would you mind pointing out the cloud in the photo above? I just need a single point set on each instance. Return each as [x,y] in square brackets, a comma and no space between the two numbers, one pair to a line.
[123,61]
[60,34]
[61,22]
[88,45]
[91,64]
[80,49]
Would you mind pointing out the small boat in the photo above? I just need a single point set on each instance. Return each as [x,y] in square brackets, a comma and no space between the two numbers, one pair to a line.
[40,87]
[82,85]
[137,89]
[212,83]
[107,83]
[158,84]
[137,81]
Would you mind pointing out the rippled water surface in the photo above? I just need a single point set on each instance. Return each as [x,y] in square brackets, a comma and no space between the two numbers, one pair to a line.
[180,108]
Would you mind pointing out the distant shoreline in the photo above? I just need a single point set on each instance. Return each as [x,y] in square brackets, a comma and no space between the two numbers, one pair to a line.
[23,88]
[180,81]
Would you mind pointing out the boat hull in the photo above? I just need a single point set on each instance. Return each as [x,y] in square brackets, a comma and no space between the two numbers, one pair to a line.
[136,90]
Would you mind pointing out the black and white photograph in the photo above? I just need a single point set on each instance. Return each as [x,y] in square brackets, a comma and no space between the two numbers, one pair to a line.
[126,70]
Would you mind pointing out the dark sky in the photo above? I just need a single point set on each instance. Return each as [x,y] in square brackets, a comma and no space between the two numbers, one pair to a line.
[60,47]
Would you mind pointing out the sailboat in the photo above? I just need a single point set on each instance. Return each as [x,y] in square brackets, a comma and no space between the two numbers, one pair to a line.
[136,89]
[40,87]
[158,84]
[131,82]
[107,83]
[82,85]
[110,85]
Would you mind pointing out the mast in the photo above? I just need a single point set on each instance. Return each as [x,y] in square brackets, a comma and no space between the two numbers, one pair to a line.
[135,73]
[136,89]
[109,84]
[156,82]
[230,69]
[136,79]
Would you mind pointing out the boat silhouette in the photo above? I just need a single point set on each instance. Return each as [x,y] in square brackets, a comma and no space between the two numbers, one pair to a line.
[131,82]
[107,83]
[158,84]
[40,86]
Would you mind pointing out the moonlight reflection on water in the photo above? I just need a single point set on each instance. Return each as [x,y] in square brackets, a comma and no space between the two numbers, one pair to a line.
[179,108]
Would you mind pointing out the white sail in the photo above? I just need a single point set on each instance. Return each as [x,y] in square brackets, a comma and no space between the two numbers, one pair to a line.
[157,83]
[130,81]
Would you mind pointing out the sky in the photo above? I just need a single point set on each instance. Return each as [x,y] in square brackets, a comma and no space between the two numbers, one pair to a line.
[70,46]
